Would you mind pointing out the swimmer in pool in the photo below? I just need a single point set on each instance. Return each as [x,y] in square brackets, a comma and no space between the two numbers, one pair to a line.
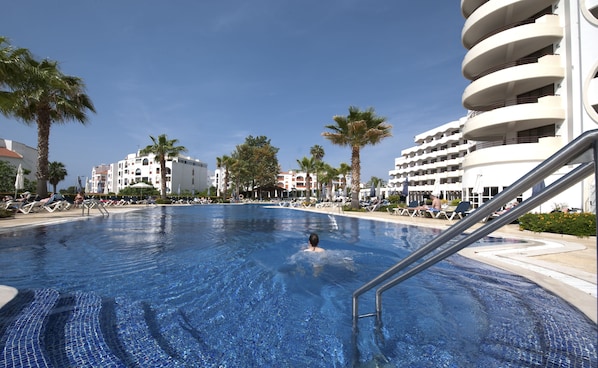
[313,244]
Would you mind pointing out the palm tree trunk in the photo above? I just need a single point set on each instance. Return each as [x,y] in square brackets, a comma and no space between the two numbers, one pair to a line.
[308,186]
[355,176]
[43,144]
[163,178]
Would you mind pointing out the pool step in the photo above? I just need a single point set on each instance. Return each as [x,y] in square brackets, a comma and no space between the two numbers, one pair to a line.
[84,341]
[21,342]
[137,338]
[42,328]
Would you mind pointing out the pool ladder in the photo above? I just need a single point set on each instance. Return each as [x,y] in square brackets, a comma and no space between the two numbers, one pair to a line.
[583,152]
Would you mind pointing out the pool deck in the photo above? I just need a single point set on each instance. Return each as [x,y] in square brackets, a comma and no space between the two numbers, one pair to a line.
[563,264]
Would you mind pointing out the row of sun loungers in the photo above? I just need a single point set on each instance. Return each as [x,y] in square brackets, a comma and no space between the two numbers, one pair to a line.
[37,206]
[413,209]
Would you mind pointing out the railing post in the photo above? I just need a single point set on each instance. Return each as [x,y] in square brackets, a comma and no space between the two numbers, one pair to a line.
[595,179]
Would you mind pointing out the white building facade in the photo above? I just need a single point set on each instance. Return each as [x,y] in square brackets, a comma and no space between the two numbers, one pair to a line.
[184,174]
[533,67]
[433,165]
[99,180]
[16,153]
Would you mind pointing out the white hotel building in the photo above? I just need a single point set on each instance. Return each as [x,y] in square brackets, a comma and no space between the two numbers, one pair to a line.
[183,174]
[434,164]
[533,67]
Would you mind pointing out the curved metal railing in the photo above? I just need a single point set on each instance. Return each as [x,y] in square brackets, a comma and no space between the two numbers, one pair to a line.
[583,152]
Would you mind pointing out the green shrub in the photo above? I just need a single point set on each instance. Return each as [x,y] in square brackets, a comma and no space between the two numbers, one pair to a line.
[6,213]
[577,224]
[394,199]
[455,202]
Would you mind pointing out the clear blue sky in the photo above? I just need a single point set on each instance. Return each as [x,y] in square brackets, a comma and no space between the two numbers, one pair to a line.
[211,73]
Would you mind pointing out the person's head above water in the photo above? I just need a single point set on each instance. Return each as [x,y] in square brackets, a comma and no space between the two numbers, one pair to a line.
[314,240]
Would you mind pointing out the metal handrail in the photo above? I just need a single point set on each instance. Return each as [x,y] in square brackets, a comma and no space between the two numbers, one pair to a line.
[576,152]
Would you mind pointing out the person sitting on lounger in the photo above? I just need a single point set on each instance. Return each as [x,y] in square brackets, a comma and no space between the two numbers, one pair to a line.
[435,207]
[46,201]
[507,208]
[313,244]
[79,198]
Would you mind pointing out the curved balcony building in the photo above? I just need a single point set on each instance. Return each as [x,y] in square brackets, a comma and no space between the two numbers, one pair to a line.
[533,71]
[433,163]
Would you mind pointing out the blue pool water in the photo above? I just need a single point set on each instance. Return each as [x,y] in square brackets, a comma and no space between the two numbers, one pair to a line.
[228,286]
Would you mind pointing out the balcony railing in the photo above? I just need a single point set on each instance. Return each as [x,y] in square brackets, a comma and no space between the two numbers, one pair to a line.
[510,64]
[504,28]
[506,142]
[504,103]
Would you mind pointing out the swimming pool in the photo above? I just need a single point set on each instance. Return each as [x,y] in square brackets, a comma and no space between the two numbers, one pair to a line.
[226,285]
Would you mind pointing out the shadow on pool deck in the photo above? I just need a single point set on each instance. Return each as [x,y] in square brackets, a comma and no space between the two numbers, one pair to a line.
[563,264]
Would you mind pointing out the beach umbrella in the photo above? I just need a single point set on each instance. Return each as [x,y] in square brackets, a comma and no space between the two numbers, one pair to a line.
[141,185]
[19,180]
[436,190]
[478,188]
[373,191]
[537,189]
[405,190]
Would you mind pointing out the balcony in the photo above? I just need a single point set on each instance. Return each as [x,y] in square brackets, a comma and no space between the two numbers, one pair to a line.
[516,78]
[511,44]
[469,6]
[494,15]
[512,151]
[520,114]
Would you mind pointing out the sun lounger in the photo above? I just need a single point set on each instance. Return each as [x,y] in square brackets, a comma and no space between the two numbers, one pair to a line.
[31,207]
[374,207]
[446,212]
[57,206]
[459,211]
[431,212]
[411,209]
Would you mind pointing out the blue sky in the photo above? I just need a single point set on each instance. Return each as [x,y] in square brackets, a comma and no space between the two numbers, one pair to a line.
[211,73]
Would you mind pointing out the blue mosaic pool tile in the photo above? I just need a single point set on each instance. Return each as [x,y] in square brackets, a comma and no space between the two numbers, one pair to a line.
[133,332]
[85,345]
[23,347]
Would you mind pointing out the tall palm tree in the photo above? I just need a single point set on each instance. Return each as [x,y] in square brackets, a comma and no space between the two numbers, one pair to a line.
[317,152]
[163,148]
[357,130]
[224,162]
[307,165]
[40,93]
[56,173]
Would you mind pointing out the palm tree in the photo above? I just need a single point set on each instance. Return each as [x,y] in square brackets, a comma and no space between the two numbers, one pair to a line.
[224,162]
[307,165]
[56,173]
[11,62]
[343,170]
[357,130]
[329,174]
[40,93]
[163,148]
[317,152]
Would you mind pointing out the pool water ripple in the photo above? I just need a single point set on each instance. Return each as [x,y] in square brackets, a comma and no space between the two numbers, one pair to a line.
[204,286]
